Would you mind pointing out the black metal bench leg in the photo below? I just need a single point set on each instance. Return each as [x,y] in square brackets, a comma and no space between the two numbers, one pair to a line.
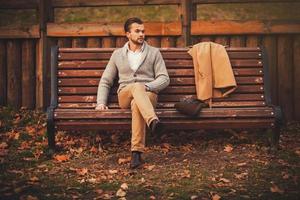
[276,128]
[275,137]
[50,129]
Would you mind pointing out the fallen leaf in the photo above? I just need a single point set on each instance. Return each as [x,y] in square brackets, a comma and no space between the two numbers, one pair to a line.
[34,179]
[24,145]
[124,186]
[113,171]
[82,181]
[241,164]
[92,180]
[30,130]
[297,152]
[241,175]
[121,193]
[106,196]
[94,150]
[61,158]
[228,148]
[186,174]
[276,189]
[149,167]
[224,180]
[285,175]
[124,160]
[187,148]
[166,146]
[30,197]
[216,197]
[99,191]
[194,197]
[143,180]
[82,171]
[3,145]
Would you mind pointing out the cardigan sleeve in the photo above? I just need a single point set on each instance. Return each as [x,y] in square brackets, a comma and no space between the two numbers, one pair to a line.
[106,81]
[162,79]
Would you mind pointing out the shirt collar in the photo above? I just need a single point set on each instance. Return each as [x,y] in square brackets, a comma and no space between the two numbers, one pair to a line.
[141,50]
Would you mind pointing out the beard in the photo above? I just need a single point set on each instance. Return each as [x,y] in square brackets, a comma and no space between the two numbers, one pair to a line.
[138,41]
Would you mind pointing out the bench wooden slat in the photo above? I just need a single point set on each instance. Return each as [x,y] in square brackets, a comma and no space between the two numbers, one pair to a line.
[168,90]
[173,81]
[101,64]
[161,98]
[165,105]
[172,72]
[172,124]
[169,49]
[165,113]
[166,55]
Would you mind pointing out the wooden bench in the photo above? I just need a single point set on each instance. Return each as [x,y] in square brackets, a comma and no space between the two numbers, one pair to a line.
[75,73]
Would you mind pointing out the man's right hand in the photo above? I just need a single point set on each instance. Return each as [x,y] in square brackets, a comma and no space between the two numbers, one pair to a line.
[101,107]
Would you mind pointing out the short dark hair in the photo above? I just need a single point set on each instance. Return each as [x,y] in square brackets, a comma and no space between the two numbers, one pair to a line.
[131,21]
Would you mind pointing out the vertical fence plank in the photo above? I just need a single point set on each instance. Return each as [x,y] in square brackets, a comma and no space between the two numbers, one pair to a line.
[195,40]
[64,42]
[28,74]
[186,11]
[167,42]
[207,39]
[79,42]
[93,42]
[296,49]
[153,41]
[108,42]
[285,72]
[45,13]
[3,73]
[120,41]
[252,41]
[270,44]
[224,40]
[14,93]
[237,41]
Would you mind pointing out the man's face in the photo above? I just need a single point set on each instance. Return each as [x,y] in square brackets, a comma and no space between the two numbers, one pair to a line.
[136,33]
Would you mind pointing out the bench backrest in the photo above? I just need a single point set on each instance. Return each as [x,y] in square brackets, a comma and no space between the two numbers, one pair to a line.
[79,71]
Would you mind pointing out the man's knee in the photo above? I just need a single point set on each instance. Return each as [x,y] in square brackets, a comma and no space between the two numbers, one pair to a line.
[139,87]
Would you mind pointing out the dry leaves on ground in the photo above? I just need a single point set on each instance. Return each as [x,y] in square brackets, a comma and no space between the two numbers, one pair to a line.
[275,189]
[62,158]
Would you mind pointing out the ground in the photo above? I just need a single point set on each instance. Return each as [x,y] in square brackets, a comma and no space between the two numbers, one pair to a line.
[227,164]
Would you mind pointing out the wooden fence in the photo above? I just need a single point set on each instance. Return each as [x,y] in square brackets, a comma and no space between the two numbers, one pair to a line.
[25,59]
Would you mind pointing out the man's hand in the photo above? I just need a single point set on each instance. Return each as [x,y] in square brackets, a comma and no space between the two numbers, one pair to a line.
[101,107]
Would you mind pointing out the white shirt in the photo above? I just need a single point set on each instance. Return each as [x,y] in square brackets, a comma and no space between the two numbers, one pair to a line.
[134,57]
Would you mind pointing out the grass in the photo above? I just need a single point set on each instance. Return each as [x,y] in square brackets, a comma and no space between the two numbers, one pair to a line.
[196,165]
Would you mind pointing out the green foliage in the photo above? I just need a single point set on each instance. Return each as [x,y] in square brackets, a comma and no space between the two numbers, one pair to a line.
[116,14]
[18,17]
[249,11]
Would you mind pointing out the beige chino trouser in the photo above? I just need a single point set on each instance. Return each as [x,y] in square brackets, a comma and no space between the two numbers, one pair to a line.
[142,104]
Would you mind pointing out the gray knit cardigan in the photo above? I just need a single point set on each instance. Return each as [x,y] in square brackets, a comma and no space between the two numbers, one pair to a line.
[152,72]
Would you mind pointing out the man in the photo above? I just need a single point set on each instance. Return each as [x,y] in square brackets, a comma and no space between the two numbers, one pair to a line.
[142,74]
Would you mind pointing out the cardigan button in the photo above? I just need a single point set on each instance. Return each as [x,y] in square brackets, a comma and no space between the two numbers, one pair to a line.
[134,75]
